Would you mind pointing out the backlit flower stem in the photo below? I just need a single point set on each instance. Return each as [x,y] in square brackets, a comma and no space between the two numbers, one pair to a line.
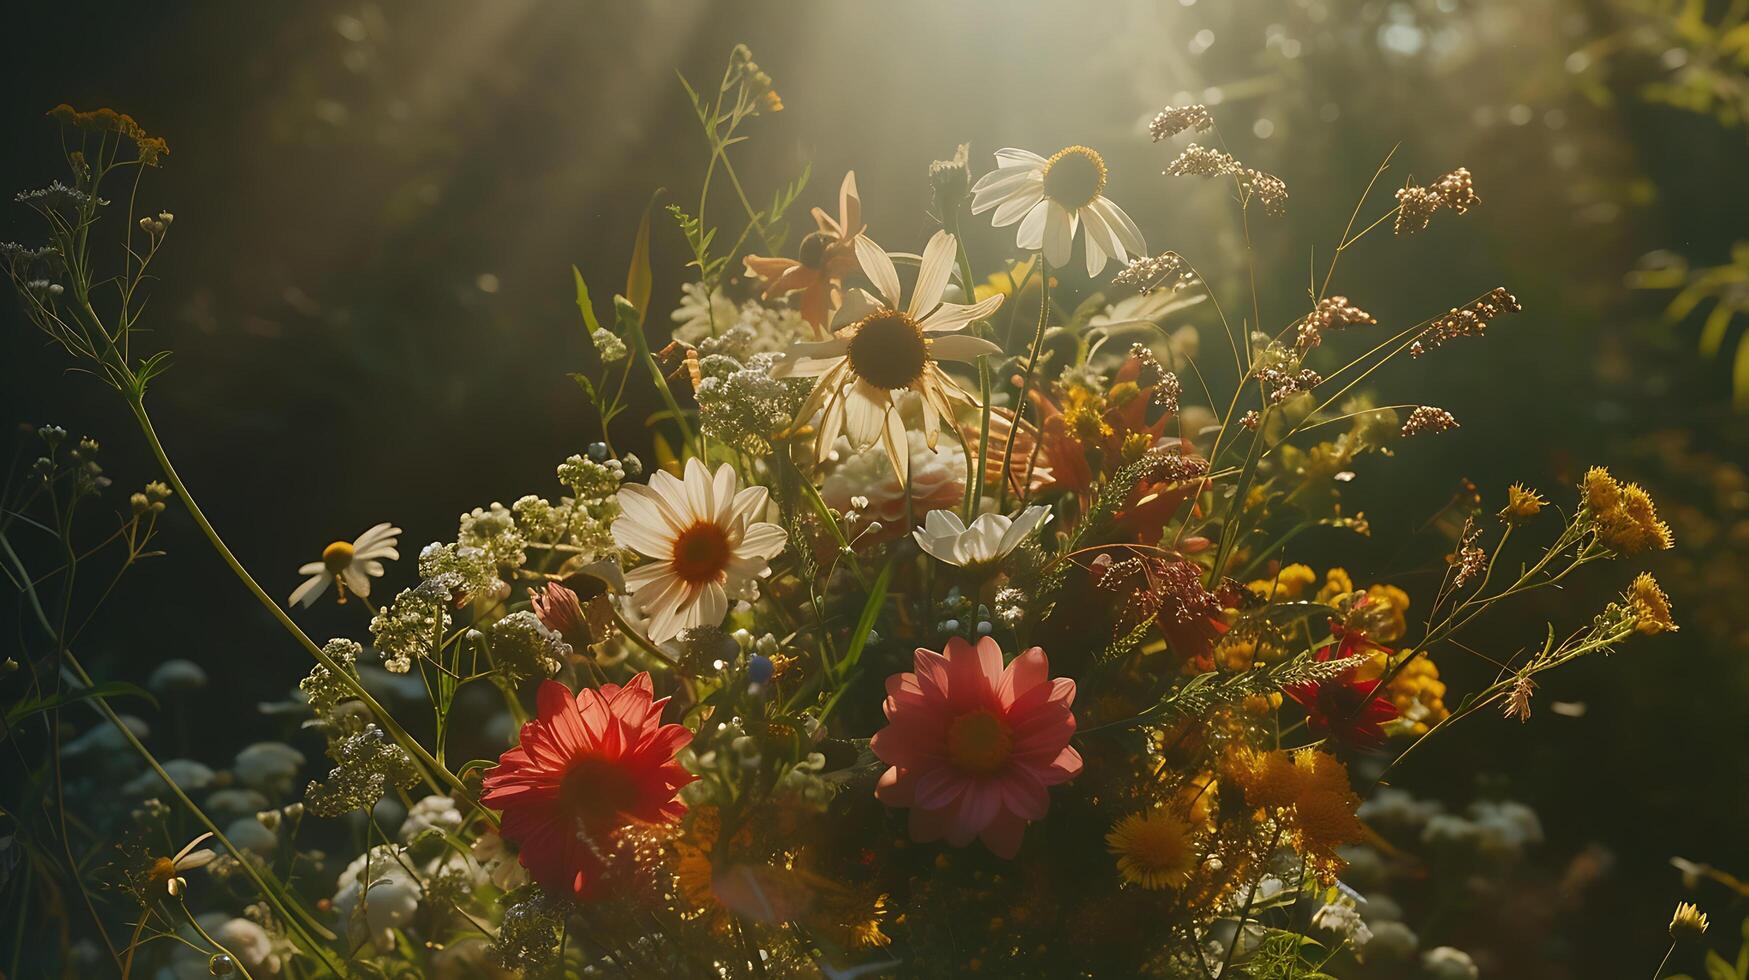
[974,473]
[1038,342]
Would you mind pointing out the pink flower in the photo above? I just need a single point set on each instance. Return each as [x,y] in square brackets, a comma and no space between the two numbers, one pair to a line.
[974,746]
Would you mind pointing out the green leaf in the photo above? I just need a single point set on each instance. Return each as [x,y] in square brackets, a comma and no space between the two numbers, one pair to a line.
[877,597]
[1718,969]
[113,689]
[588,388]
[638,276]
[583,305]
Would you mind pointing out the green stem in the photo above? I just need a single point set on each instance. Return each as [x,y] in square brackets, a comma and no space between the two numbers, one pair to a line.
[1038,342]
[431,769]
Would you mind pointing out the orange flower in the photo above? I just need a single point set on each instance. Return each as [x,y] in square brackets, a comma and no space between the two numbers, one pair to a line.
[823,259]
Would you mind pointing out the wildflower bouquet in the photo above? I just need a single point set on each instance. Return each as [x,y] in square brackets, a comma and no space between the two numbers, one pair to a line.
[971,616]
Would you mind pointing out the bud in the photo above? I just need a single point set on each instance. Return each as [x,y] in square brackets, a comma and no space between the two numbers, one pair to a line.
[951,180]
[1689,922]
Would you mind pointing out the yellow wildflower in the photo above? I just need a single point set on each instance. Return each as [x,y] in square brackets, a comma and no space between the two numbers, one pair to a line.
[1522,504]
[1154,849]
[1419,695]
[1336,585]
[1689,922]
[1650,605]
[1288,584]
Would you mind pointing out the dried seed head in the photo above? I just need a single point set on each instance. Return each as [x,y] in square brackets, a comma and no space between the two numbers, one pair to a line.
[1202,161]
[1331,313]
[1465,321]
[1149,273]
[1428,419]
[1173,120]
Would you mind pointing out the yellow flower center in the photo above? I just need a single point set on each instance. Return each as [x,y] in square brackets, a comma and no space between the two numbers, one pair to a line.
[888,350]
[337,556]
[979,742]
[1074,176]
[701,552]
[1153,850]
[162,870]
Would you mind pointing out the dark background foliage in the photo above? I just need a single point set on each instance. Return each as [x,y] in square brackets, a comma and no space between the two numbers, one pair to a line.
[368,292]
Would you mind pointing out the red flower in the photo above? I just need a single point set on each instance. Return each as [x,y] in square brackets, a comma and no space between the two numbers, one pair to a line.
[586,767]
[1343,709]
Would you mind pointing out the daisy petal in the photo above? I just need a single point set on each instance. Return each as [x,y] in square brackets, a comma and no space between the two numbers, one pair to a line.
[932,274]
[878,266]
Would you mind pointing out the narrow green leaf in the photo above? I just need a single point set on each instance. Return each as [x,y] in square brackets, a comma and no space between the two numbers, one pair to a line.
[638,276]
[588,388]
[112,689]
[871,609]
[583,305]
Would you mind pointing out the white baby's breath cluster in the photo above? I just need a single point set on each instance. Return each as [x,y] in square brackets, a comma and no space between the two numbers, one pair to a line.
[701,316]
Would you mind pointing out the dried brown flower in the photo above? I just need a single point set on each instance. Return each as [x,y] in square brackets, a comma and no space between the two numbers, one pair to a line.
[1331,313]
[1251,420]
[1416,204]
[1149,273]
[1202,161]
[1270,191]
[1517,703]
[1457,191]
[1426,418]
[1173,120]
[1280,384]
[1465,321]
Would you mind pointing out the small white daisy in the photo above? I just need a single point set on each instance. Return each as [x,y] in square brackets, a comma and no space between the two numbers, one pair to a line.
[705,544]
[1052,197]
[880,351]
[168,871]
[989,540]
[349,565]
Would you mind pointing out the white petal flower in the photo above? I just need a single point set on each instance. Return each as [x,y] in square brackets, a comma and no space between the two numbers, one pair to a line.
[350,565]
[881,350]
[704,542]
[989,540]
[1051,198]
[168,871]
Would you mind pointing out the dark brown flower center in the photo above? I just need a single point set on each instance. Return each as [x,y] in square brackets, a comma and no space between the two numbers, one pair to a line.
[701,552]
[595,794]
[1074,176]
[888,350]
[813,250]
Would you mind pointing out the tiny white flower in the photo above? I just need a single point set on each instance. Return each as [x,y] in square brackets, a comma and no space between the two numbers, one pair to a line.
[168,871]
[349,565]
[705,544]
[1051,198]
[989,540]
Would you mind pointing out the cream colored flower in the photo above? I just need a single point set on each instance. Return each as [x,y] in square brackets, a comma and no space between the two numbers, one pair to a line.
[1051,198]
[705,544]
[989,540]
[880,351]
[168,871]
[348,565]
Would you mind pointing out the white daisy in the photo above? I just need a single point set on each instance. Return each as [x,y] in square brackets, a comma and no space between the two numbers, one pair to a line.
[348,565]
[1050,198]
[979,547]
[705,545]
[879,351]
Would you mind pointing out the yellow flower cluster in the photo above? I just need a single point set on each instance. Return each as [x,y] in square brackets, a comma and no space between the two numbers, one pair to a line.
[1419,695]
[1626,519]
[1651,607]
[1383,617]
[151,148]
[1309,791]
